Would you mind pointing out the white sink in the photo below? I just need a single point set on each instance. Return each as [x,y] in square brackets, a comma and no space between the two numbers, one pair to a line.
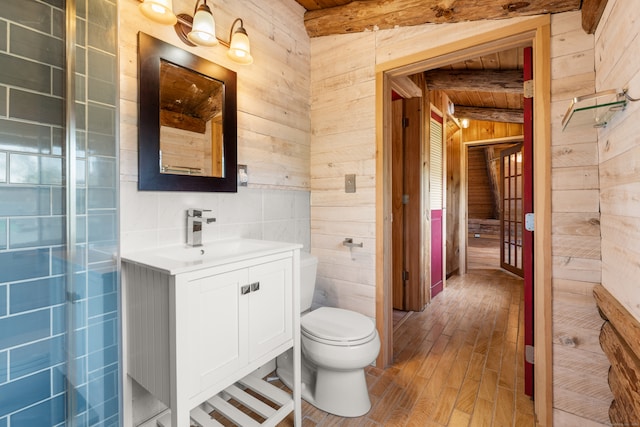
[183,258]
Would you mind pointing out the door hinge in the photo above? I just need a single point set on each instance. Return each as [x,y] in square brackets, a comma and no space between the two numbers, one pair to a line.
[405,122]
[405,199]
[528,89]
[405,275]
[529,221]
[529,354]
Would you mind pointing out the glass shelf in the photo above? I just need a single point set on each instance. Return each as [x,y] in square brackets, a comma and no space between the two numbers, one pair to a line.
[594,110]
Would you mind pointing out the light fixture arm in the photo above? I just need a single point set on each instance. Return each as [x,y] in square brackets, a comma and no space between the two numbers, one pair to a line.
[241,29]
[195,8]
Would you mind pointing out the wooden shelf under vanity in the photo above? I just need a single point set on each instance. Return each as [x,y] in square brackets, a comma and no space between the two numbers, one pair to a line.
[205,415]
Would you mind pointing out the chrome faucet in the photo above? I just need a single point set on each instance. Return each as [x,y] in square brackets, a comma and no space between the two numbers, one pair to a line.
[194,226]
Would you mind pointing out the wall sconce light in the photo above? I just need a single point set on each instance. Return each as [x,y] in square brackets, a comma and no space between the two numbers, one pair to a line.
[464,123]
[160,11]
[200,30]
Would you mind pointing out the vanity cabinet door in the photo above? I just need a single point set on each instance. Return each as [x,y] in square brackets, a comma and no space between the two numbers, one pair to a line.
[270,306]
[217,327]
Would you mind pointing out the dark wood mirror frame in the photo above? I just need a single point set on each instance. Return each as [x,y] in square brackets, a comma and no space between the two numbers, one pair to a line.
[150,52]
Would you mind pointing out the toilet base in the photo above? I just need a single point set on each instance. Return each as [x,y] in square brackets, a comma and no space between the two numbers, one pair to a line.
[341,393]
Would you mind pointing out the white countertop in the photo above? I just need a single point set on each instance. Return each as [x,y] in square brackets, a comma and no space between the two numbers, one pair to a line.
[182,258]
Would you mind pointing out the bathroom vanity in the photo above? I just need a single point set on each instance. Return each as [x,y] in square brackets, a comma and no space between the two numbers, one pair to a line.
[200,320]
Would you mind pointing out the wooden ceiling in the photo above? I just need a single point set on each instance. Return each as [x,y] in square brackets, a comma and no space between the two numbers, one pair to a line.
[188,100]
[489,87]
[485,88]
[327,17]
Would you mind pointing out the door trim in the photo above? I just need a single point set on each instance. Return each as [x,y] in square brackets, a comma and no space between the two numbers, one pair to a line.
[537,33]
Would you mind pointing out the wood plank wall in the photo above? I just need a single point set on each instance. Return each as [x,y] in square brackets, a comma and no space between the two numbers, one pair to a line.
[480,130]
[581,393]
[273,93]
[454,148]
[618,66]
[479,199]
[343,138]
[343,142]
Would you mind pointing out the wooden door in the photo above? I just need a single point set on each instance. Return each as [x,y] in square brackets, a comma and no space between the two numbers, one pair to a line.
[406,202]
[412,203]
[436,201]
[511,216]
[397,191]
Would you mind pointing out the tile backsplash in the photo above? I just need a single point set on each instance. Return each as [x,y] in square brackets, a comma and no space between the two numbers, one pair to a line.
[151,219]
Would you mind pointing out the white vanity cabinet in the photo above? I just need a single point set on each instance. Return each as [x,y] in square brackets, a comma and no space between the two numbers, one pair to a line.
[194,332]
[228,324]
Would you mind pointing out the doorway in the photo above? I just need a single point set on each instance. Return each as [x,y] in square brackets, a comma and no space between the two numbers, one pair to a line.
[484,203]
[534,32]
[511,204]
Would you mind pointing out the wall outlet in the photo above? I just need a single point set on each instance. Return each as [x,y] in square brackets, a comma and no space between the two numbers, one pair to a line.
[243,175]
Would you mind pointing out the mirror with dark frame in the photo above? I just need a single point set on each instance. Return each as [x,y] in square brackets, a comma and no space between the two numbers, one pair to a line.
[187,136]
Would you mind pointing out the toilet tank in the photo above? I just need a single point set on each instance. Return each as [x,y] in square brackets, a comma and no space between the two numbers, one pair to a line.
[308,268]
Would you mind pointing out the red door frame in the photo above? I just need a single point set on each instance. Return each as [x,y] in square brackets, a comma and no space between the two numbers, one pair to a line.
[528,235]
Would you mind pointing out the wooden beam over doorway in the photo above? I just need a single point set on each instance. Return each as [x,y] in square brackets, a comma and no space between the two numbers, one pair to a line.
[502,115]
[370,15]
[591,13]
[502,81]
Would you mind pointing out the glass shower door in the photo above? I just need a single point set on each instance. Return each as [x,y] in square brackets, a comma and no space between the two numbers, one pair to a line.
[59,286]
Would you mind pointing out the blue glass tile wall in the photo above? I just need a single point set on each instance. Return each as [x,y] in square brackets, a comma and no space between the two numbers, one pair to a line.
[59,317]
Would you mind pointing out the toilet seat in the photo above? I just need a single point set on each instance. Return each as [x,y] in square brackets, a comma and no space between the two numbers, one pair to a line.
[338,327]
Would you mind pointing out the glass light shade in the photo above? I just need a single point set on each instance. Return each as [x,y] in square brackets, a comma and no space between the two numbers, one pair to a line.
[240,48]
[160,11]
[203,31]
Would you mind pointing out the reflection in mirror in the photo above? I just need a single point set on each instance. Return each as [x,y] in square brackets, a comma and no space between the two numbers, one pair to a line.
[190,122]
[187,126]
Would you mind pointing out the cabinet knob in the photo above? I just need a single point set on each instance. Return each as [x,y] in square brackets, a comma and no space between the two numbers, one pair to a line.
[255,286]
[245,289]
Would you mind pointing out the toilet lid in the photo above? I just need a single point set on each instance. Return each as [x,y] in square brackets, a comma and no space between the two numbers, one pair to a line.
[336,324]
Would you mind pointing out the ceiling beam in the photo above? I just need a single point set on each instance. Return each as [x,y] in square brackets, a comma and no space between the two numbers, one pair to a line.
[502,115]
[370,15]
[591,13]
[503,81]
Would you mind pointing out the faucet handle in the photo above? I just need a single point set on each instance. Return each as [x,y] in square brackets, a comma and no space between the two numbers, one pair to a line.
[197,213]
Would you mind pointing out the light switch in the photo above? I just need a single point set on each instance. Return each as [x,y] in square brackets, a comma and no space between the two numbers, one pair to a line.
[350,183]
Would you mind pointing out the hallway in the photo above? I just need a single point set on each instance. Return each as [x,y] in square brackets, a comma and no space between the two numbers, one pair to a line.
[457,363]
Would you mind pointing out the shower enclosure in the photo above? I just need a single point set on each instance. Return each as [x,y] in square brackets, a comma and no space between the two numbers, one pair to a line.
[60,347]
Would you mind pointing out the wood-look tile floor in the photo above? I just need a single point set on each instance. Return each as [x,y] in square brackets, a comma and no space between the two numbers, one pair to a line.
[457,363]
[483,252]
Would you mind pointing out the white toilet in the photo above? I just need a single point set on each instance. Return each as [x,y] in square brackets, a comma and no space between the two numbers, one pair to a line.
[337,345]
